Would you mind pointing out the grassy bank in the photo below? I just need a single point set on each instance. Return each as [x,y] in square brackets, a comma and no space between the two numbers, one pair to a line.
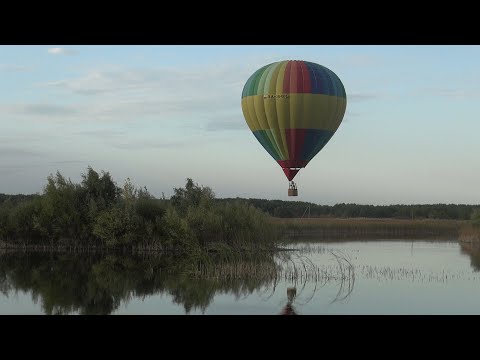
[365,228]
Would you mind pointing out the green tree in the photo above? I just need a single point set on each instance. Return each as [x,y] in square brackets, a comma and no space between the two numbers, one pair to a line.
[475,216]
[192,195]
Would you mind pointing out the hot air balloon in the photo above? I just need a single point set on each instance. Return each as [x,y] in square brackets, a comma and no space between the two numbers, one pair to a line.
[293,108]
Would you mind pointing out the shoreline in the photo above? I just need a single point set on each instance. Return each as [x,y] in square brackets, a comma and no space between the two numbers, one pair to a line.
[369,228]
[323,229]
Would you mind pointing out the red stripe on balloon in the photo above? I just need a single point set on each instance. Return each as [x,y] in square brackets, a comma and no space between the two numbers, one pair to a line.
[295,78]
[292,163]
[290,173]
[305,76]
[286,78]
[295,142]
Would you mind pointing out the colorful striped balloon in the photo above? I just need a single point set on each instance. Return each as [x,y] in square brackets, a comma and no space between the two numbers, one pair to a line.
[293,108]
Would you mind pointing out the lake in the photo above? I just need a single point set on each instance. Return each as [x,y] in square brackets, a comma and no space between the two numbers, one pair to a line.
[347,277]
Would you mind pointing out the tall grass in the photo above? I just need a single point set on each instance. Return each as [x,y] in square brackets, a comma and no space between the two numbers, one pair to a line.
[470,233]
[338,228]
[99,282]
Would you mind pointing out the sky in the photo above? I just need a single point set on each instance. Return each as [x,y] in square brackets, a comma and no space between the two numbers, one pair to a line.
[163,113]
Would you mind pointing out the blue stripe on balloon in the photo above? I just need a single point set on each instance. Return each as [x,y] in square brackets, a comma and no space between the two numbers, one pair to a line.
[314,141]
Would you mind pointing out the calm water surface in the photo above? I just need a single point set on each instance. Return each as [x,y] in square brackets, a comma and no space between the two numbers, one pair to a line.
[368,277]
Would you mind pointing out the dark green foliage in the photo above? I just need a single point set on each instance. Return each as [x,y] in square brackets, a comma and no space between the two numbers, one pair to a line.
[20,221]
[475,217]
[192,196]
[149,209]
[98,214]
[114,226]
[101,189]
[297,209]
[15,199]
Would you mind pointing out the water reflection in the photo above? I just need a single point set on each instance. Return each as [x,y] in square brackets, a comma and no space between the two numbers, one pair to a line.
[99,283]
[316,278]
[66,283]
[288,309]
[473,251]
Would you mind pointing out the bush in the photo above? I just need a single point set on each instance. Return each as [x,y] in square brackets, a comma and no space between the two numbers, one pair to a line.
[115,226]
[21,222]
[97,211]
[475,217]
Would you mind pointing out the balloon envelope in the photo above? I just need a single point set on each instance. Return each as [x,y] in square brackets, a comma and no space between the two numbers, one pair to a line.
[293,108]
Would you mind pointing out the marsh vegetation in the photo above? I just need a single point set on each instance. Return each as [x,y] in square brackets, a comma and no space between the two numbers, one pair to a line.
[97,214]
[357,228]
[100,282]
[371,277]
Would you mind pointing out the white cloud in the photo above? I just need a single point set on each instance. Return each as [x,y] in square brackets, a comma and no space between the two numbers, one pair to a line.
[63,162]
[195,92]
[359,60]
[9,152]
[149,144]
[172,82]
[360,97]
[102,133]
[458,93]
[124,94]
[38,110]
[197,97]
[23,137]
[227,122]
[13,68]
[61,51]
[350,114]
[452,93]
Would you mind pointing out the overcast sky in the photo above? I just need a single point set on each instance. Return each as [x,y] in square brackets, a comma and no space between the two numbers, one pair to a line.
[160,114]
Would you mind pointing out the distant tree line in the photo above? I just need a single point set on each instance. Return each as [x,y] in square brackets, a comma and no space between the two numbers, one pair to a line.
[296,209]
[15,199]
[97,213]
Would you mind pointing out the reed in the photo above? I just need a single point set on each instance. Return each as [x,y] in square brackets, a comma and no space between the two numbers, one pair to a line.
[98,283]
[470,233]
[296,269]
[338,228]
